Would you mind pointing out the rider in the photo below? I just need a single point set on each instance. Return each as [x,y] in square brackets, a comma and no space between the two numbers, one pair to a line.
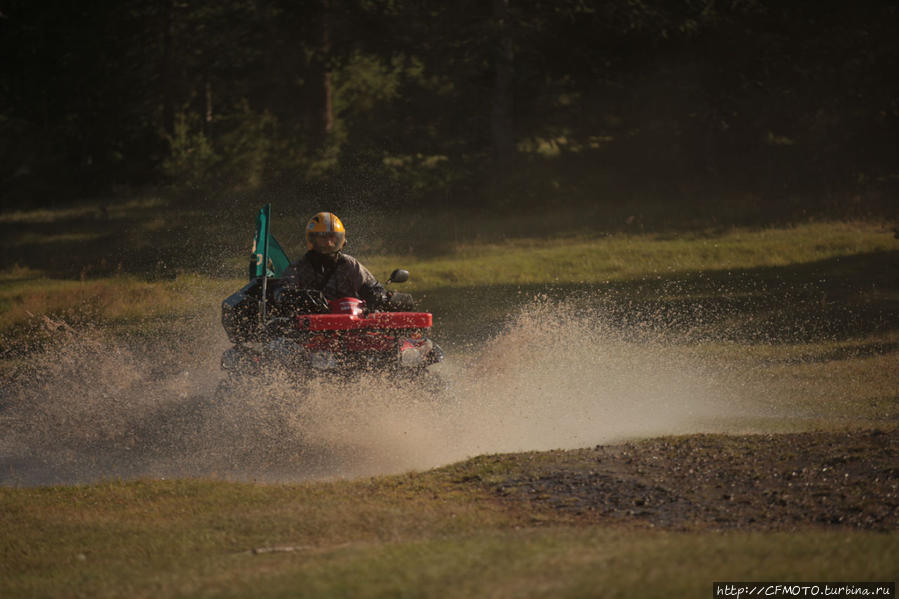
[326,268]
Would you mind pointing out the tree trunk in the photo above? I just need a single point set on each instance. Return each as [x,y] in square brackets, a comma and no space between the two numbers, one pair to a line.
[502,136]
[207,109]
[166,70]
[321,114]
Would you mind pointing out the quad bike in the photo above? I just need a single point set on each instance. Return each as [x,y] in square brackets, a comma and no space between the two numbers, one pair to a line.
[299,332]
[307,335]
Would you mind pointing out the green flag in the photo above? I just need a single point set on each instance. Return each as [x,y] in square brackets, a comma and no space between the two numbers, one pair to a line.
[266,249]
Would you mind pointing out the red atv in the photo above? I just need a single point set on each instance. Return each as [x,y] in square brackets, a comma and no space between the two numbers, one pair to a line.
[299,330]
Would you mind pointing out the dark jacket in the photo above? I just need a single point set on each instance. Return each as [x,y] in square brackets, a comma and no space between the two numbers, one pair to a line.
[341,277]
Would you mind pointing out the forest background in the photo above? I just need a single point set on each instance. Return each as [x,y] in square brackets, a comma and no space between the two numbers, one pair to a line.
[615,197]
[737,111]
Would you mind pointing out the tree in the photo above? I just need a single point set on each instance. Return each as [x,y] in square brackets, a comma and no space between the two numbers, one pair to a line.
[503,140]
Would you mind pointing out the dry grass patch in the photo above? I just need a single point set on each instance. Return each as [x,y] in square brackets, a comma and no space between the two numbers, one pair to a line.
[25,294]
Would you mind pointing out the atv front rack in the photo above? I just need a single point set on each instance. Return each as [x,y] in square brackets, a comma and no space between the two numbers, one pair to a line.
[373,320]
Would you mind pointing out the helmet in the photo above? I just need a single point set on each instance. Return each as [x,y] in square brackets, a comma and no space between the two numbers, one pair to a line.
[325,224]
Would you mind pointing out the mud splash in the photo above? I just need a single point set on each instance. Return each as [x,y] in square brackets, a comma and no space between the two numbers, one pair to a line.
[93,406]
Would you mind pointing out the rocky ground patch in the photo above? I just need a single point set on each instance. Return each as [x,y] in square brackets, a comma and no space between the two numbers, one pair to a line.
[770,482]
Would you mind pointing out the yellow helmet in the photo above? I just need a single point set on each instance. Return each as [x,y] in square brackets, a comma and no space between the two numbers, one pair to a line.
[325,224]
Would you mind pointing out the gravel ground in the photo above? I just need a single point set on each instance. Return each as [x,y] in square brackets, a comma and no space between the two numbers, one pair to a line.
[770,482]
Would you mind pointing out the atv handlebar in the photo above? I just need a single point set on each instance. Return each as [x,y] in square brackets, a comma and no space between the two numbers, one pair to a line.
[400,302]
[291,300]
[303,301]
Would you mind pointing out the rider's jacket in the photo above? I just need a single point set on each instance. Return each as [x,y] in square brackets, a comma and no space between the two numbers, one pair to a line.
[343,277]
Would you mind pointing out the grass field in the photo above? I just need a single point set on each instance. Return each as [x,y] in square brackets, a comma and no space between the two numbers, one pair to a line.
[414,535]
[797,326]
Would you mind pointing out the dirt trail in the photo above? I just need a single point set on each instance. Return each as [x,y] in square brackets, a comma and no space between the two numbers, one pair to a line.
[770,482]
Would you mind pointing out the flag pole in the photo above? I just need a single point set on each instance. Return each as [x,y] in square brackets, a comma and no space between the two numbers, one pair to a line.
[266,210]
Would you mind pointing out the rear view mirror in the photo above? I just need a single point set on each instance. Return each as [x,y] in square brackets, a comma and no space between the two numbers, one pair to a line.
[398,276]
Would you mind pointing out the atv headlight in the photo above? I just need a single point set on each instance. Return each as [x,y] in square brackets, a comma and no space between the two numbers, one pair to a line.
[413,351]
[240,359]
[323,360]
[283,351]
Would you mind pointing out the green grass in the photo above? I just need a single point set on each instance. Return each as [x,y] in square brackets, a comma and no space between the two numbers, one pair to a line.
[427,534]
[804,315]
[527,263]
[627,257]
[85,210]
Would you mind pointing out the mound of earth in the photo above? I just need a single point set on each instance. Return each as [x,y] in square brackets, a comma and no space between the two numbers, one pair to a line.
[779,481]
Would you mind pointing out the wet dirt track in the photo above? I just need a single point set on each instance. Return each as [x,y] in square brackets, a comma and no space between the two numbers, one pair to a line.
[765,482]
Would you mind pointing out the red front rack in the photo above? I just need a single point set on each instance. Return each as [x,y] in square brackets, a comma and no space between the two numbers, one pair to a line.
[375,320]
